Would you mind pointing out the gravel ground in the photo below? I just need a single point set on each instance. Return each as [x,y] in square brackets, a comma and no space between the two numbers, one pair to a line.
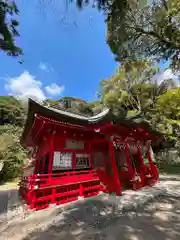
[102,218]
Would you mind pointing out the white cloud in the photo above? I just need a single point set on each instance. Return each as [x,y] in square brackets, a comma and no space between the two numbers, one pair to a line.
[54,89]
[27,86]
[45,67]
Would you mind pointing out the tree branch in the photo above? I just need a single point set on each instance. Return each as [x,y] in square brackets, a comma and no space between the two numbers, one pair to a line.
[154,34]
[165,4]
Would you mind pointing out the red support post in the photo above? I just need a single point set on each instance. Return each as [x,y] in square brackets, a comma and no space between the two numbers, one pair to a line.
[33,199]
[53,195]
[140,158]
[105,161]
[37,165]
[149,158]
[114,168]
[41,165]
[141,167]
[73,160]
[153,167]
[81,190]
[51,154]
[128,160]
[91,155]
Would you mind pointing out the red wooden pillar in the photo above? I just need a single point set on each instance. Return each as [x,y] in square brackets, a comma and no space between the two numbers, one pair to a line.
[31,192]
[114,168]
[153,167]
[74,160]
[90,154]
[105,162]
[53,198]
[42,165]
[81,190]
[141,166]
[149,158]
[51,153]
[37,162]
[128,160]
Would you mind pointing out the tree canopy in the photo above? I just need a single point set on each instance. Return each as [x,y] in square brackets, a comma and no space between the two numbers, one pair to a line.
[12,116]
[132,88]
[151,32]
[8,27]
[136,91]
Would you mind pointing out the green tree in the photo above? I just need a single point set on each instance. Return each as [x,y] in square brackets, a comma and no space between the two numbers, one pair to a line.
[71,104]
[166,115]
[12,154]
[11,111]
[151,32]
[8,27]
[12,115]
[130,88]
[131,92]
[84,108]
[97,106]
[168,104]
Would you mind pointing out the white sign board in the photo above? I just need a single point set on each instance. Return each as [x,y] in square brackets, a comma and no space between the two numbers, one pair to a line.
[62,160]
[82,160]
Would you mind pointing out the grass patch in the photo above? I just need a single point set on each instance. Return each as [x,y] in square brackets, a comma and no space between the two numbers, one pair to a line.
[9,185]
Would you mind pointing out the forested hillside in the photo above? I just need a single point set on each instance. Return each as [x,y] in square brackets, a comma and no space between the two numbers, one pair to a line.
[132,89]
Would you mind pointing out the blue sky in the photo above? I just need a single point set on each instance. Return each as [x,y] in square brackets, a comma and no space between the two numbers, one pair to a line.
[61,57]
[74,56]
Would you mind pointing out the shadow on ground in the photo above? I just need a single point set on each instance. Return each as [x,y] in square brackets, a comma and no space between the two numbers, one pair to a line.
[3,201]
[93,219]
[7,202]
[100,219]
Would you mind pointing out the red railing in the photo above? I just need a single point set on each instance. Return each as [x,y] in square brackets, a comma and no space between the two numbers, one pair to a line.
[41,190]
[44,180]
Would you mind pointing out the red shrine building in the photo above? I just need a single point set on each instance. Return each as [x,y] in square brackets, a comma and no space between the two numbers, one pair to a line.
[75,156]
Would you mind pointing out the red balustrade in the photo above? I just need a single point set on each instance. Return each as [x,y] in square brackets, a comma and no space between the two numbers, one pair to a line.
[41,190]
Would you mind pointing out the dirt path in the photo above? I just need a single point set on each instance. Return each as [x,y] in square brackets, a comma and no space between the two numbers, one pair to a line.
[159,220]
[94,219]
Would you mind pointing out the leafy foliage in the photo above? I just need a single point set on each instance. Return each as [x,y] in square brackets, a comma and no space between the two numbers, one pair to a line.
[12,116]
[132,90]
[171,99]
[110,7]
[8,27]
[11,152]
[11,111]
[150,32]
[72,104]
